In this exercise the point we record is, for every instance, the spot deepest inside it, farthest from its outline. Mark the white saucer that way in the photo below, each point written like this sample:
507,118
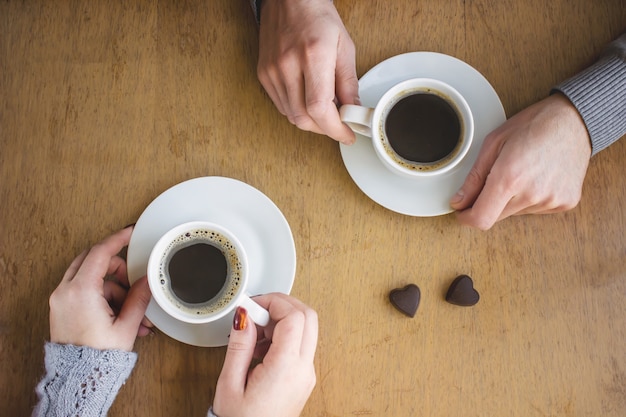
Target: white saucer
429,196
248,213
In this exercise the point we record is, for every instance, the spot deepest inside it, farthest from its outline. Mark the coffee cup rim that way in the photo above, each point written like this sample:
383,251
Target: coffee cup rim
410,85
155,258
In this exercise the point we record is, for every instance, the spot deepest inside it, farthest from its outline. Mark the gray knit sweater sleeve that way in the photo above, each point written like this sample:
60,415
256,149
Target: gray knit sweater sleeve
599,95
81,381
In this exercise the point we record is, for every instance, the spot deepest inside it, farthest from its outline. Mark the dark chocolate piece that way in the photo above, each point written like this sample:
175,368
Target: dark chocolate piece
462,292
406,299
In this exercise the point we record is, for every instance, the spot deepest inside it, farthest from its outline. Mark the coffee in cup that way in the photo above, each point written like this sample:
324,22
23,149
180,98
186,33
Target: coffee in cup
419,127
198,272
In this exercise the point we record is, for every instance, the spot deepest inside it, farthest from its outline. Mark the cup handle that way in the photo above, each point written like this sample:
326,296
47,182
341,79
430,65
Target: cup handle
258,314
358,118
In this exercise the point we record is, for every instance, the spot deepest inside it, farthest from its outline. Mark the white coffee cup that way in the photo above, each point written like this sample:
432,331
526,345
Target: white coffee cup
372,122
198,273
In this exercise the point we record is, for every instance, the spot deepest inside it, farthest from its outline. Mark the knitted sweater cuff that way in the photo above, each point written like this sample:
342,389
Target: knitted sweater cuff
81,380
599,95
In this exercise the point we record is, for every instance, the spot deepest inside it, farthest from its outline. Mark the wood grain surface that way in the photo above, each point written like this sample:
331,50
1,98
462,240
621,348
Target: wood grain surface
104,105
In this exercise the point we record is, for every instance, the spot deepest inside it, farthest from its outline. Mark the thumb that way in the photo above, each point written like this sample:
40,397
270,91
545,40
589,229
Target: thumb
241,344
347,88
346,81
476,178
135,305
469,191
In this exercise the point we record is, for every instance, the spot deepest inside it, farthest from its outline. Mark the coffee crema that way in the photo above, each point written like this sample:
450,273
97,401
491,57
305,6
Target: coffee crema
200,272
423,130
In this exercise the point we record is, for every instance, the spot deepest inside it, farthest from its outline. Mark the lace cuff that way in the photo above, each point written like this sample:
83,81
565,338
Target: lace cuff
81,381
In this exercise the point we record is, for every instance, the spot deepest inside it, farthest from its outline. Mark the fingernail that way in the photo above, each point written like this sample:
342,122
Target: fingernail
240,321
458,197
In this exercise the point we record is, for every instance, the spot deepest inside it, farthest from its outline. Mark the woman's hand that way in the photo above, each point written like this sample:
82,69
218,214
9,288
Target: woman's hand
281,383
93,305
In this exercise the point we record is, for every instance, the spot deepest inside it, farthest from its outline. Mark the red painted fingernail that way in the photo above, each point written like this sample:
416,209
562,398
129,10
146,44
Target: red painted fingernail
240,321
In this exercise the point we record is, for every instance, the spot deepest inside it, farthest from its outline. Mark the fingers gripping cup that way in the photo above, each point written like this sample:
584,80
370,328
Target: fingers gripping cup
420,127
198,273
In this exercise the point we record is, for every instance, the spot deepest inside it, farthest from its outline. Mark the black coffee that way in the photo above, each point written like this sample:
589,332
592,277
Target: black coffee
197,272
423,128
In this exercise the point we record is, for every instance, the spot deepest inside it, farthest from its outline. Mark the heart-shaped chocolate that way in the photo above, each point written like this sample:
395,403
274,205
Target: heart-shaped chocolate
406,299
462,292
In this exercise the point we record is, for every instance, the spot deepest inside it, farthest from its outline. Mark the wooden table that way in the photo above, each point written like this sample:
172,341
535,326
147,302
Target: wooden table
104,105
